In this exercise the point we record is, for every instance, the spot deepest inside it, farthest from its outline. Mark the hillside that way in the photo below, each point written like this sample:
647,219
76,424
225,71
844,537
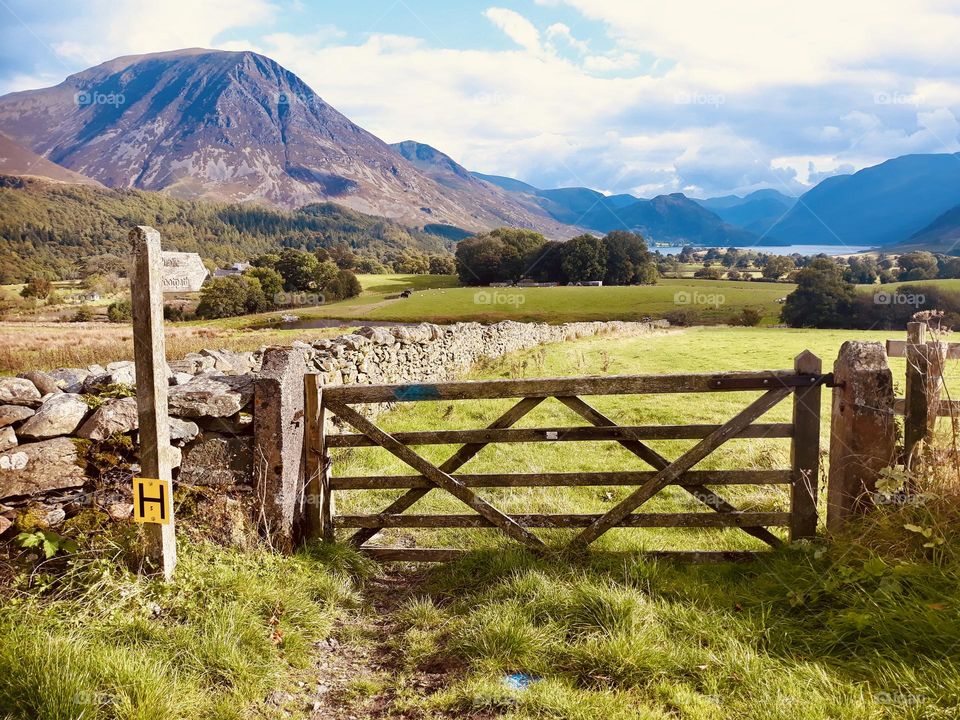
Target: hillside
942,235
236,127
48,227
17,160
879,205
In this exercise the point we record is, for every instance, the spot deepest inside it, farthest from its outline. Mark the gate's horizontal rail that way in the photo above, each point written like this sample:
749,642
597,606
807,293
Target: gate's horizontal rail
402,554
549,387
648,520
565,434
584,479
898,349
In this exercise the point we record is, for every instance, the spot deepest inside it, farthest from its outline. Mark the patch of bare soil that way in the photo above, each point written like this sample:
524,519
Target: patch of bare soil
359,675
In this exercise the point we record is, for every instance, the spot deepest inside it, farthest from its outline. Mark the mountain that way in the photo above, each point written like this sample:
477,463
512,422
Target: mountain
507,183
235,127
49,227
756,212
674,219
942,235
516,210
17,160
879,205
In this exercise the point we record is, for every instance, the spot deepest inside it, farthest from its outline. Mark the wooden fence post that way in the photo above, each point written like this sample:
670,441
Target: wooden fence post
924,383
862,431
151,362
318,496
805,450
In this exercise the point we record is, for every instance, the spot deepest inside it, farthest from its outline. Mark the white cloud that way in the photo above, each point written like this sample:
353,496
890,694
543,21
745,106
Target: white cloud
516,27
109,28
560,31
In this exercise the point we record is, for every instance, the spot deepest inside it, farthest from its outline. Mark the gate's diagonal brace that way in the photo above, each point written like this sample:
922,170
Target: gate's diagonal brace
452,464
436,475
701,492
679,466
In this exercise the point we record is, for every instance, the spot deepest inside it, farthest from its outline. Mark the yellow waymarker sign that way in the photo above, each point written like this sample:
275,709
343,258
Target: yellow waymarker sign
152,501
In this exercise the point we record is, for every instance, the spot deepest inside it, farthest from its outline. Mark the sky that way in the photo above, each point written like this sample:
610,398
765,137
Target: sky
702,97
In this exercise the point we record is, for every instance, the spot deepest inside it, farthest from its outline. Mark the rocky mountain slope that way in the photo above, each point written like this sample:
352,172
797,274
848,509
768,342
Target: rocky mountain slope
235,127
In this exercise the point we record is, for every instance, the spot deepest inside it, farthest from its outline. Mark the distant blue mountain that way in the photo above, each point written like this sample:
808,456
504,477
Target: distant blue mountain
756,212
666,218
880,205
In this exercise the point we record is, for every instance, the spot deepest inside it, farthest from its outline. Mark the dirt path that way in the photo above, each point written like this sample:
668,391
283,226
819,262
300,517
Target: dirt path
362,675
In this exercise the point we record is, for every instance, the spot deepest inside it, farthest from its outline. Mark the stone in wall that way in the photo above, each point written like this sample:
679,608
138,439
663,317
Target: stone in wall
60,414
217,460
36,468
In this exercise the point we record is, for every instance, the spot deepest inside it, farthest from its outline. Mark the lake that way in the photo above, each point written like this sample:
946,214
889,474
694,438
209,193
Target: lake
781,249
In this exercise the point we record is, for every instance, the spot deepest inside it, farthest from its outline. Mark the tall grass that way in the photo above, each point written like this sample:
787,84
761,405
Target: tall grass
90,639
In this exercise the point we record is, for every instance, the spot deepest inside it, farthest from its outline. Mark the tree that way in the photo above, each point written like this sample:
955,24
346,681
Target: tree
442,265
918,265
371,266
104,264
413,262
584,259
627,258
271,282
709,273
777,266
823,299
231,296
325,273
861,270
344,285
481,259
298,269
545,263
38,287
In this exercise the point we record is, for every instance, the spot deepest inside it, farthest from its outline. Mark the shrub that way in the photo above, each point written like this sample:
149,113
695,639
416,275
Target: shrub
83,314
38,287
120,312
748,317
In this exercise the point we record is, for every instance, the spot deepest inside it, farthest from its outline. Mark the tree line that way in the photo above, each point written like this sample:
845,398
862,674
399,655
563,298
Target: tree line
289,278
48,230
826,298
509,255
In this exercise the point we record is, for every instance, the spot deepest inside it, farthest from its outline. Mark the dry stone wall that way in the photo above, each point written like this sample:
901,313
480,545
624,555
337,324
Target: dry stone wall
68,436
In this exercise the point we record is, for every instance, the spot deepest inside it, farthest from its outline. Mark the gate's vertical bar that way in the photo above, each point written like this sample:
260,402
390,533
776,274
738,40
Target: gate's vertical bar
805,450
318,497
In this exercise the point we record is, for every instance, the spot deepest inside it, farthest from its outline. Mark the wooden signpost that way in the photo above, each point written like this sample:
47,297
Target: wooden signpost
154,273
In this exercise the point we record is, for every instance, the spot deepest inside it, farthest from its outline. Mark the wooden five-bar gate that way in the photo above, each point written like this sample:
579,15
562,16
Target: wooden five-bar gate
803,384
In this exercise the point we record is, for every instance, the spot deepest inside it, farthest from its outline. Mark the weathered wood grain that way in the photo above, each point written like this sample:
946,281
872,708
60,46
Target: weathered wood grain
693,478
563,434
149,351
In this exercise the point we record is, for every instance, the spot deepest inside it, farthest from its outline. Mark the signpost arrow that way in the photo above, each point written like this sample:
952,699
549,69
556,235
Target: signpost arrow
182,272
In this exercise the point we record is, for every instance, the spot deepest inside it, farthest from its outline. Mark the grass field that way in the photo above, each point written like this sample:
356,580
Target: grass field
438,299
863,627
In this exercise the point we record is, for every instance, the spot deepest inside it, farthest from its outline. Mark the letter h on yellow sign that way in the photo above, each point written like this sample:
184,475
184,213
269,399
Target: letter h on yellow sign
152,501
